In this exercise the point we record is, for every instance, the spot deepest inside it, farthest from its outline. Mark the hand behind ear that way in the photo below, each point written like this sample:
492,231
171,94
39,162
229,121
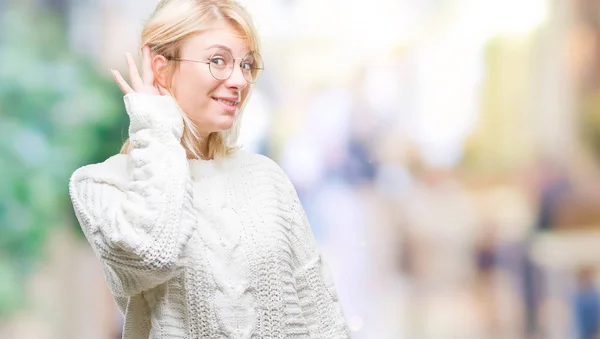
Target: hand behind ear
144,84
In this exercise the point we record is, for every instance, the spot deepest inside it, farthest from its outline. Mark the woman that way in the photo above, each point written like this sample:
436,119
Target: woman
197,238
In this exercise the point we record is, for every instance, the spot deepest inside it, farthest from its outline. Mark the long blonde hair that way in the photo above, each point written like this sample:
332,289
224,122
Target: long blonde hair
171,23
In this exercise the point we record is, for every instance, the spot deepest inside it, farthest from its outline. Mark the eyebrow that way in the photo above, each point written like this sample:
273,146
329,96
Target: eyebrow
224,47
219,46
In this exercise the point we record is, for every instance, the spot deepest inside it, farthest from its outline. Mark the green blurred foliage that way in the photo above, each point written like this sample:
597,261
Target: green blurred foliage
57,113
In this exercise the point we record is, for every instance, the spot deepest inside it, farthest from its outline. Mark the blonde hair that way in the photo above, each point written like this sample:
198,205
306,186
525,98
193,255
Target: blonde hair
171,23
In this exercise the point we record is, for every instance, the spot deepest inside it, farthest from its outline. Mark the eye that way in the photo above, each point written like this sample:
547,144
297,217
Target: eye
218,61
247,65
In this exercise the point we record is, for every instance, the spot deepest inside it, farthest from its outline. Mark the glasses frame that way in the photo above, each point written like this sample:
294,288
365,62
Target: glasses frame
232,69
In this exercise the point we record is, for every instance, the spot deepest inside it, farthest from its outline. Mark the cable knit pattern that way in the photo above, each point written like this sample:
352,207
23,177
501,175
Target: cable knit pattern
202,249
314,284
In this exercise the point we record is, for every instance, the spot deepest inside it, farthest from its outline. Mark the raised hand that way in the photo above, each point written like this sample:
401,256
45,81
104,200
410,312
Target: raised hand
146,83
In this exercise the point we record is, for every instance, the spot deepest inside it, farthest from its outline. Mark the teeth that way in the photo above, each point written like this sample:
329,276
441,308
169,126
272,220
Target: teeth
226,102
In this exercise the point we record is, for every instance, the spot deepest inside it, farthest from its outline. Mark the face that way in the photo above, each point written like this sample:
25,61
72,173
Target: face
210,103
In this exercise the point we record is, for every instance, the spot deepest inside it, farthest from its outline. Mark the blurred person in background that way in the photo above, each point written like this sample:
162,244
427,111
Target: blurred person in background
553,188
586,304
196,237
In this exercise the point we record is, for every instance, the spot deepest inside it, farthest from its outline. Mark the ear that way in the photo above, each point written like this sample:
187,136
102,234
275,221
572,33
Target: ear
160,69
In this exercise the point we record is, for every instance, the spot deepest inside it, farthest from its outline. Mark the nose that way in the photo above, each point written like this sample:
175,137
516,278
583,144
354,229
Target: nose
236,80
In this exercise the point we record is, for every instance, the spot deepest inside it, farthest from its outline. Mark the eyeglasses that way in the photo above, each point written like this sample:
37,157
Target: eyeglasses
222,63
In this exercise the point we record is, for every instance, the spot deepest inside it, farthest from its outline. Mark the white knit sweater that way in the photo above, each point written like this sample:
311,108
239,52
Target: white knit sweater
202,249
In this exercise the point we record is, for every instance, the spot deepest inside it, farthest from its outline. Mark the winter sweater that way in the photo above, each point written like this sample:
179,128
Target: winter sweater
202,248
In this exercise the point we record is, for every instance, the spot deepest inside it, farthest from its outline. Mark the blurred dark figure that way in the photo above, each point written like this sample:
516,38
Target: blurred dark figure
486,248
586,305
487,265
358,167
552,189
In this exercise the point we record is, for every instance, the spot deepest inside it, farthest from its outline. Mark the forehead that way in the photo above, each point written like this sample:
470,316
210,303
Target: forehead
212,40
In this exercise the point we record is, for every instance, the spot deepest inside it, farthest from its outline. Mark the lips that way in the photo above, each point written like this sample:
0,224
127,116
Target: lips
228,103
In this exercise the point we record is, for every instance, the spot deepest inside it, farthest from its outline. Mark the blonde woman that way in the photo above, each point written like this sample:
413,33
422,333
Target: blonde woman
199,239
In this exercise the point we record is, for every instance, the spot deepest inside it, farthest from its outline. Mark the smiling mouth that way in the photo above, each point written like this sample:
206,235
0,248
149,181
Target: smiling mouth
226,102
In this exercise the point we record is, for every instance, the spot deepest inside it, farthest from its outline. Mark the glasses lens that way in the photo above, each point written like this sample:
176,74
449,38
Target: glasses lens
221,64
252,65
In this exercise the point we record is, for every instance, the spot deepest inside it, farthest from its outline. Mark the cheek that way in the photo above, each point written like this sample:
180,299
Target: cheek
193,90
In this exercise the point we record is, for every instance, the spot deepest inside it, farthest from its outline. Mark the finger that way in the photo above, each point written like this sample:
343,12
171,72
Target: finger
125,88
147,73
134,75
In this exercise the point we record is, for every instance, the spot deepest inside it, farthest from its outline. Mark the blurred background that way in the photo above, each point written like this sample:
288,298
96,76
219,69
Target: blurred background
446,152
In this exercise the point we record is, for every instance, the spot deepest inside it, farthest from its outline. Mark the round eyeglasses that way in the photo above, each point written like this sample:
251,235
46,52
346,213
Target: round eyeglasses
222,63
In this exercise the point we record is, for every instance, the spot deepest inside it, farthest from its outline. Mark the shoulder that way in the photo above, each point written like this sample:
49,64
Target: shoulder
86,187
255,161
113,169
263,166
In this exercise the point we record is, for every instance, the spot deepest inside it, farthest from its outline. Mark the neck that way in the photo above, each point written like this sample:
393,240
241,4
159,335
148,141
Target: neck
203,149
204,146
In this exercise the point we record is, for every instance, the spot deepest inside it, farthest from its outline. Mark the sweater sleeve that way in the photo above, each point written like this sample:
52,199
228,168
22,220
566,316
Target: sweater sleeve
137,213
316,290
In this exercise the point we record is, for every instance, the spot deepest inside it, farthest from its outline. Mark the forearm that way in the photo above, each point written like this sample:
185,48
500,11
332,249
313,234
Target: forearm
138,214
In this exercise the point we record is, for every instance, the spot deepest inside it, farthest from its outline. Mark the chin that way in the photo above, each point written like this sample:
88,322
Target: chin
225,124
